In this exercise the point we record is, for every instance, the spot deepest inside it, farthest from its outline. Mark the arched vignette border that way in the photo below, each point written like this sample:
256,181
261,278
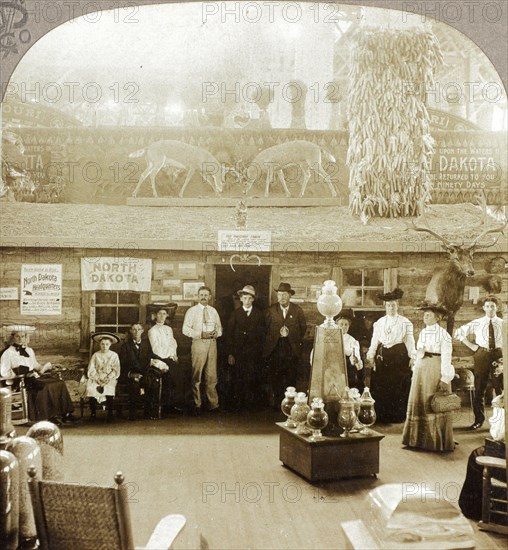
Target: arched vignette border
20,30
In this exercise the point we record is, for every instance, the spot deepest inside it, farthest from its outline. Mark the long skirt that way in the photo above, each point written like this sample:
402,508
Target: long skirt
48,398
390,383
423,428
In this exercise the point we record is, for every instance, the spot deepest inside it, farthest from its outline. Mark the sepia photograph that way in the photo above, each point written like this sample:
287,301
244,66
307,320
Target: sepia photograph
253,274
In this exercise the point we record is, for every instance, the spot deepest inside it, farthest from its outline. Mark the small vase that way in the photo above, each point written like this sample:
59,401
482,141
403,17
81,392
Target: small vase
287,405
317,419
347,415
299,413
355,396
367,413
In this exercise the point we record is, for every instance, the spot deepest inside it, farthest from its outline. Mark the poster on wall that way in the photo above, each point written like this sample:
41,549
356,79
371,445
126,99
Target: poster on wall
117,274
9,293
41,289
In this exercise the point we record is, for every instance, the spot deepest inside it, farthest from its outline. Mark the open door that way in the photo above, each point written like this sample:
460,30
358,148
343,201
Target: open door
229,282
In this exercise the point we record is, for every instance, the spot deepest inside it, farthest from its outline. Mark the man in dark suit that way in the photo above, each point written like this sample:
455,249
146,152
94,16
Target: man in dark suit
285,326
135,356
245,337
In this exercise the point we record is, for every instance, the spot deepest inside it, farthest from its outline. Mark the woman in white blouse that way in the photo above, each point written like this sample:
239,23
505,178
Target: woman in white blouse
432,372
390,349
354,362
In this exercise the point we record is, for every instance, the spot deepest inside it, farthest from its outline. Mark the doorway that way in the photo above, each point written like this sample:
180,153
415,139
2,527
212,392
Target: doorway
229,282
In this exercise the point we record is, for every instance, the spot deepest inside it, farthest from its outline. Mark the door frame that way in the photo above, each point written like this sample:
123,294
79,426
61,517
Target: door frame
215,259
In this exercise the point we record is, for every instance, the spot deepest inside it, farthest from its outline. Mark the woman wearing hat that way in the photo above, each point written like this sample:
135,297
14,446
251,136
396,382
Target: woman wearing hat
432,372
354,362
391,347
48,396
103,373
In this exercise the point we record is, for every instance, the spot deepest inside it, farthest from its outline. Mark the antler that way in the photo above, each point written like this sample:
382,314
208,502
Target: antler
498,229
244,258
427,230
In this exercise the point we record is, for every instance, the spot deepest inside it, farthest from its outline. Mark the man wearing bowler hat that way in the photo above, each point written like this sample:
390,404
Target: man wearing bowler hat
244,343
285,329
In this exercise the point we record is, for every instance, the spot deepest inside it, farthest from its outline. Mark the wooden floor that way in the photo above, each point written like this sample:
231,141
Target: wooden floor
222,472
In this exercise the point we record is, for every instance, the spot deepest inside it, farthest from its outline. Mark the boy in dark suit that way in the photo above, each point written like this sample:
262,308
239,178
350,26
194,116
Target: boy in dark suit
285,326
245,338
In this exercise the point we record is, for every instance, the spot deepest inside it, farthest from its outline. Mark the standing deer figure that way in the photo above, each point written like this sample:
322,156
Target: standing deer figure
182,156
308,156
447,284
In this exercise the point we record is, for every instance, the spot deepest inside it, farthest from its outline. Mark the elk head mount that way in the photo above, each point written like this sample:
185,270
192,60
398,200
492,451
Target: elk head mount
448,281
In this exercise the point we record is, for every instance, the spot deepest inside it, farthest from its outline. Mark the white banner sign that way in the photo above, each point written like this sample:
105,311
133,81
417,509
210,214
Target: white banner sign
41,289
244,241
116,274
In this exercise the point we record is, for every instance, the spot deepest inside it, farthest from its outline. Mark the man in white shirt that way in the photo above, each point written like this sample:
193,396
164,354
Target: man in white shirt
487,348
160,373
202,324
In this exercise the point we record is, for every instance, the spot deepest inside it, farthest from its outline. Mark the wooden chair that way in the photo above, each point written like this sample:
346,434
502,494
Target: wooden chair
19,403
87,517
121,399
494,496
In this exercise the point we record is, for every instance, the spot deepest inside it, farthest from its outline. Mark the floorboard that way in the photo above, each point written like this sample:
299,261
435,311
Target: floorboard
223,473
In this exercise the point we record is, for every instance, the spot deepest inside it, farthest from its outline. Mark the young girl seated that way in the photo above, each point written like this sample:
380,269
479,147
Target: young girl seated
103,373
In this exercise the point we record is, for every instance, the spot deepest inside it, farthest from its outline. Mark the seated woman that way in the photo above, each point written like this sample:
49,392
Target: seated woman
48,396
103,373
470,499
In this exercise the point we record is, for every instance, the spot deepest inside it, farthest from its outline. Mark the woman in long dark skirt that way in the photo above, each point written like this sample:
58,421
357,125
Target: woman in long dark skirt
48,396
433,372
390,349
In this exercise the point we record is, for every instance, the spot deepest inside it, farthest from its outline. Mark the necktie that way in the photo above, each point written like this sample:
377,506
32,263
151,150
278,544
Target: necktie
284,312
492,337
22,350
205,315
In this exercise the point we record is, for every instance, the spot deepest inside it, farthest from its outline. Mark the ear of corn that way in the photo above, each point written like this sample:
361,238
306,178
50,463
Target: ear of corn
390,147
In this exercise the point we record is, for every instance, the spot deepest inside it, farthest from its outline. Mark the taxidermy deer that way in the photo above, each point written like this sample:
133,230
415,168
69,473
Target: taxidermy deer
447,284
182,156
308,156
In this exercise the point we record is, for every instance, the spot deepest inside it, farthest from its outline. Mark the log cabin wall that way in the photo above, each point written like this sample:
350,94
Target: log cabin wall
306,271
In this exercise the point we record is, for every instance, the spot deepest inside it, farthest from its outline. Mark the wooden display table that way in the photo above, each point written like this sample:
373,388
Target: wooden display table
331,457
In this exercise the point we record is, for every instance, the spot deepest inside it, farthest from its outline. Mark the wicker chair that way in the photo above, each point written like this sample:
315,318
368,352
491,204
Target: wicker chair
19,403
88,517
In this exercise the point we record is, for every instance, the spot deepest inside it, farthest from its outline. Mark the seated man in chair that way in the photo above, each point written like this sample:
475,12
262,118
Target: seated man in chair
135,356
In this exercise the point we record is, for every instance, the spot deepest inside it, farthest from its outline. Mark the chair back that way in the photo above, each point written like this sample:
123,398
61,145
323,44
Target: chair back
81,517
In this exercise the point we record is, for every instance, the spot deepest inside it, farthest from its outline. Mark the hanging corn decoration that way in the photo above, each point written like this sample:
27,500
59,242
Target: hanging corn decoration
390,146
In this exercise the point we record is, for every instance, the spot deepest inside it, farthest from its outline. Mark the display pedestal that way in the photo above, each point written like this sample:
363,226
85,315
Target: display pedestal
331,457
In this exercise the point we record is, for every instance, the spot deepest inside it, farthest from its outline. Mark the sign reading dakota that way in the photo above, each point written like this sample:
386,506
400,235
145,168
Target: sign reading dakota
116,274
